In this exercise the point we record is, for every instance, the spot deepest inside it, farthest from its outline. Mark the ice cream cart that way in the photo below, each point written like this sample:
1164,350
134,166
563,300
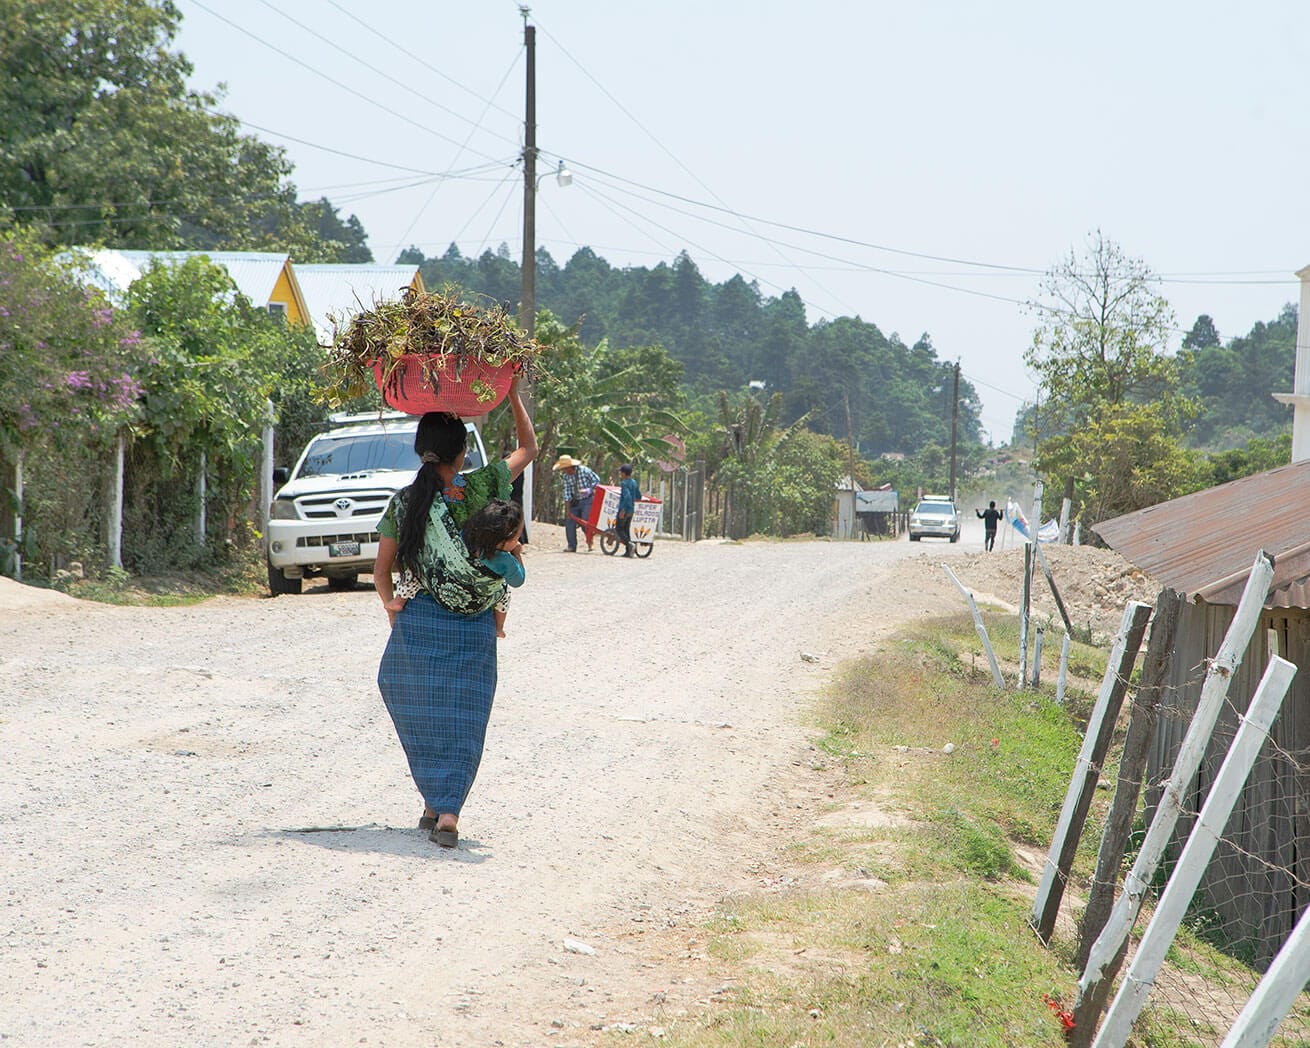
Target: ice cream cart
604,509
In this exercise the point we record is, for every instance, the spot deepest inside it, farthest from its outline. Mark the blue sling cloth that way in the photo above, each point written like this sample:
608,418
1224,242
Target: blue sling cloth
438,679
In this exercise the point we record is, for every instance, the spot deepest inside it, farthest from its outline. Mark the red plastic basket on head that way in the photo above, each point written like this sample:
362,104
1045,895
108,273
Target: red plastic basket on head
418,384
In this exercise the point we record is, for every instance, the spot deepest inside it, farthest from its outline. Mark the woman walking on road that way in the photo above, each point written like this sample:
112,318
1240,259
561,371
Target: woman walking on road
438,673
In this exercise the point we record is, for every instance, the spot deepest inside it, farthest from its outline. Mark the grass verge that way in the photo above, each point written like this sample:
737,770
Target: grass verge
925,938
243,575
919,935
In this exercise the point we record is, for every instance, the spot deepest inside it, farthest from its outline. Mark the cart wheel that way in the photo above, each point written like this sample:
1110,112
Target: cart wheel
643,549
609,543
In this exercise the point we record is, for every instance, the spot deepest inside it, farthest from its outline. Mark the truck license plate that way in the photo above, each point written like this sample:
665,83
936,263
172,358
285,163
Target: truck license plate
343,549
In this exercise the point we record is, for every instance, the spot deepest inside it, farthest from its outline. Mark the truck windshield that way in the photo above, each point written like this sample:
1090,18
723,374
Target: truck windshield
360,452
355,453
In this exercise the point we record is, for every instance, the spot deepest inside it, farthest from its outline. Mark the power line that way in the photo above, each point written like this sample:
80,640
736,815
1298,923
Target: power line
705,250
1179,278
745,220
419,213
476,124
332,80
491,165
811,232
1006,270
503,204
422,61
822,254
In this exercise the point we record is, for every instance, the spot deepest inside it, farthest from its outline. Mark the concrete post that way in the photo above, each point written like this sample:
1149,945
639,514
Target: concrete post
1299,398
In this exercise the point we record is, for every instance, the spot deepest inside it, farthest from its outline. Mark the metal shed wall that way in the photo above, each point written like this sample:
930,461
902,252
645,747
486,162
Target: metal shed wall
1258,882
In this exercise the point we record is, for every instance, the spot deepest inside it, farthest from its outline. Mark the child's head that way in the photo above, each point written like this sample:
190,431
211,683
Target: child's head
495,522
625,470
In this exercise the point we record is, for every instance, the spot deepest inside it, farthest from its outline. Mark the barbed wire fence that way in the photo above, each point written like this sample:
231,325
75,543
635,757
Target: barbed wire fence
1219,893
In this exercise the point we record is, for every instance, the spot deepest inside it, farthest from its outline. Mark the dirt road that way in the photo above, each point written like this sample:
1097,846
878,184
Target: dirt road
207,827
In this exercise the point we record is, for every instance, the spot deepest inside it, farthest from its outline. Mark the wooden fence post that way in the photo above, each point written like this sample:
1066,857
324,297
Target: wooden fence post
1107,950
1119,823
1132,769
1055,591
1100,730
1196,854
116,504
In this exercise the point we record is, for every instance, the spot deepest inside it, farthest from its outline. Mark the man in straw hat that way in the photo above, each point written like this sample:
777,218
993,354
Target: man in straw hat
579,485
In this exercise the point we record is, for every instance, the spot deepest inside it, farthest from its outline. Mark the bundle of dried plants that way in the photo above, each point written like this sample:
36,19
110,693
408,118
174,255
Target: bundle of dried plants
441,328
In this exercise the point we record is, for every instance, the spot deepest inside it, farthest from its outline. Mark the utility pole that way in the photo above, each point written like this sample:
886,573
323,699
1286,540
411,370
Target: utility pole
955,425
528,268
528,298
850,449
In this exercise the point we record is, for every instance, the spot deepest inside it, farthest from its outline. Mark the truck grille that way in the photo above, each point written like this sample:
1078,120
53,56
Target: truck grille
315,541
356,504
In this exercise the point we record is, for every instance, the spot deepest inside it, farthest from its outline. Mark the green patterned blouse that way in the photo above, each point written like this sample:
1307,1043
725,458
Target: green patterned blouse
445,569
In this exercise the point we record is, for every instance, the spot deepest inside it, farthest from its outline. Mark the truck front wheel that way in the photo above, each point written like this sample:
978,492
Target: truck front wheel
278,583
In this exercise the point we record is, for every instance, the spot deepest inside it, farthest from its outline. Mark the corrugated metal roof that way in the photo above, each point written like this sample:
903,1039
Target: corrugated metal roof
255,273
342,290
1204,544
108,270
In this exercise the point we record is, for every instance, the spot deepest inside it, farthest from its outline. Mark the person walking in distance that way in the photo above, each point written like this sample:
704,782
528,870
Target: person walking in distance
579,486
629,493
990,517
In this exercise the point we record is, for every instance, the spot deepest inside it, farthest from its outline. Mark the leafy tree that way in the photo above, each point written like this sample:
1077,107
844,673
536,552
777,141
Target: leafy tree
101,142
215,363
1258,456
1100,353
334,240
1128,457
601,405
750,432
1025,425
1203,334
1102,332
69,385
802,480
587,287
1233,383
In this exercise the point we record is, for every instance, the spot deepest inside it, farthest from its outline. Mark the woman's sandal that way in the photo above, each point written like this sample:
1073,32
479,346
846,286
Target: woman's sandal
427,822
446,838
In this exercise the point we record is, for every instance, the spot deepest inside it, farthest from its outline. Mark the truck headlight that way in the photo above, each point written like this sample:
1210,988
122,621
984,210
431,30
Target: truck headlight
284,509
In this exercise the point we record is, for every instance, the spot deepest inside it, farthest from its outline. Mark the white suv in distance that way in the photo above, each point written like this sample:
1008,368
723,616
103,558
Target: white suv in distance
325,514
937,516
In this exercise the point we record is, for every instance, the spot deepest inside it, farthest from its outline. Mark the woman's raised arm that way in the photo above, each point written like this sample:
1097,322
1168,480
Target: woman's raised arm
527,438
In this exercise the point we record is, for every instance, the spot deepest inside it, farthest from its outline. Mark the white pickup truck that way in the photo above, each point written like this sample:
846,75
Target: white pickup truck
325,514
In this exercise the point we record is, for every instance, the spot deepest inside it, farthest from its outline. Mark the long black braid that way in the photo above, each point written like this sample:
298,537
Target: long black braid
440,438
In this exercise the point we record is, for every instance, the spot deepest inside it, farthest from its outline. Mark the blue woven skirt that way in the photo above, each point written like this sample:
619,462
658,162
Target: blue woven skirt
438,677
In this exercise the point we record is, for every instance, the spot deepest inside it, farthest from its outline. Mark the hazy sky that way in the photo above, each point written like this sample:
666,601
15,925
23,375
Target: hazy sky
916,164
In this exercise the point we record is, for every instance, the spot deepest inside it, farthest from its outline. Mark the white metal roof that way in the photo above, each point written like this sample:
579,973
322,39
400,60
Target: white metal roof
255,273
344,289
